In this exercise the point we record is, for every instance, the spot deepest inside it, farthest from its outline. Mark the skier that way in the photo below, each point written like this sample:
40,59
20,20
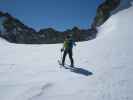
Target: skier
67,49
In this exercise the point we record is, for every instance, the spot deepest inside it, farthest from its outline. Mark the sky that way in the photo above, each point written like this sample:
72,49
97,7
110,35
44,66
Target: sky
58,14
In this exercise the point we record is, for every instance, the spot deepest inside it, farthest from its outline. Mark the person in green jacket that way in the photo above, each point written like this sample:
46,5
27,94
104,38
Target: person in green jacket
67,49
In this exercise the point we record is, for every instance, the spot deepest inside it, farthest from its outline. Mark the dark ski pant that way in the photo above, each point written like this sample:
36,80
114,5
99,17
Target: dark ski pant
69,52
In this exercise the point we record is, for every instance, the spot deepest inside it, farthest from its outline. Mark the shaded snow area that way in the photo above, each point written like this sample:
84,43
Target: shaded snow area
104,67
124,4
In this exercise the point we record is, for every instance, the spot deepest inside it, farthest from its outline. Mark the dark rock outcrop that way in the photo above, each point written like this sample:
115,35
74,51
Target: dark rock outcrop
104,11
15,31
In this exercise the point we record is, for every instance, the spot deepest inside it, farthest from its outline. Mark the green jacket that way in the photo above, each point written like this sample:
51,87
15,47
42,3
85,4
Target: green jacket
68,44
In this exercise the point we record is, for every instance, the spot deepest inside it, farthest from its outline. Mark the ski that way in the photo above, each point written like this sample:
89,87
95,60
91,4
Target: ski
61,66
64,66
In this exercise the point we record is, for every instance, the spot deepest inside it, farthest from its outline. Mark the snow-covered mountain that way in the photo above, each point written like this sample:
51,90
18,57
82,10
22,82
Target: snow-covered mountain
15,31
104,67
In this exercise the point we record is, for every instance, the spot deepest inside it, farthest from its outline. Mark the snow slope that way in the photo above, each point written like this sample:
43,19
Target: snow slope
105,72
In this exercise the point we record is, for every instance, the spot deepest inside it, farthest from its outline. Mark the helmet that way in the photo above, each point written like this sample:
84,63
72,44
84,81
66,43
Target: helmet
69,36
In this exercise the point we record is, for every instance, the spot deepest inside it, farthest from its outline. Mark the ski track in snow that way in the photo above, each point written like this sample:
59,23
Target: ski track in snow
37,94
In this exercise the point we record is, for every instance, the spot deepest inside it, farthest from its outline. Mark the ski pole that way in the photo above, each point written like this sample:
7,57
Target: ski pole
61,55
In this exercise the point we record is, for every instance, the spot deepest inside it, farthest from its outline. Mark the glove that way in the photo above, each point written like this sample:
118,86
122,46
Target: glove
62,49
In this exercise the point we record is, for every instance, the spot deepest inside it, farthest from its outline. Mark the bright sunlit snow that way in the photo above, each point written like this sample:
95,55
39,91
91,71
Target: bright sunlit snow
105,67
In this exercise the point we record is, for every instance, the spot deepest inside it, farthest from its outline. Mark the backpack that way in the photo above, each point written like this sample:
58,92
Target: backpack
68,44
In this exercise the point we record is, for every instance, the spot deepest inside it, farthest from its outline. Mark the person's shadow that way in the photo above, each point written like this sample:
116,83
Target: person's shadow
80,71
